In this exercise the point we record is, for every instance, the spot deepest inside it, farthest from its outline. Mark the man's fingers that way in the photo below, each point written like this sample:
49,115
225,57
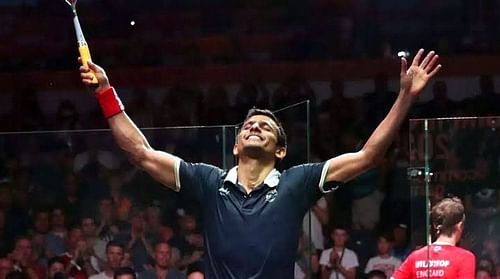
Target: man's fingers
433,62
427,59
404,66
418,56
89,76
436,70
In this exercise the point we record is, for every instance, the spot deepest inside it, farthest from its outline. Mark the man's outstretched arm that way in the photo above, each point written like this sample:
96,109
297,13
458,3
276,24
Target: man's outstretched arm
413,80
160,165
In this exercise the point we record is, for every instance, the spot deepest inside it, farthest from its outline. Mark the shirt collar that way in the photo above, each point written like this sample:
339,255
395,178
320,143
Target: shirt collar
272,179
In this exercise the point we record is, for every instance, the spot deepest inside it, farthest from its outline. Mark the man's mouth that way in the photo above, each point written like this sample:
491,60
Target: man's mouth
254,137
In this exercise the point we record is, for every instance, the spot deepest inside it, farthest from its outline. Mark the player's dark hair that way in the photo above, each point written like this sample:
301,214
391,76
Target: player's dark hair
281,132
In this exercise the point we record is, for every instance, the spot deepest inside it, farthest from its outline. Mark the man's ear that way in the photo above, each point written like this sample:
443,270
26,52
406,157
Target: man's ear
280,153
235,149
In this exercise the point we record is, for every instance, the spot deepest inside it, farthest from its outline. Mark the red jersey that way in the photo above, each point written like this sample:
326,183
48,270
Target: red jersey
438,262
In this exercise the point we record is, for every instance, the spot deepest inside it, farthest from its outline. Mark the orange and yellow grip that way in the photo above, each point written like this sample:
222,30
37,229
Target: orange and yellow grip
85,58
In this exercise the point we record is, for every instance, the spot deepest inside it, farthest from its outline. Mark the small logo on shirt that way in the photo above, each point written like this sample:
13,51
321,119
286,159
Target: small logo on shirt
223,191
271,195
437,248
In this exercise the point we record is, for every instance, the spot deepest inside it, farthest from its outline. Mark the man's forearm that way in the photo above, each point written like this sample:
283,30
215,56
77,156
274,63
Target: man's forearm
129,138
382,137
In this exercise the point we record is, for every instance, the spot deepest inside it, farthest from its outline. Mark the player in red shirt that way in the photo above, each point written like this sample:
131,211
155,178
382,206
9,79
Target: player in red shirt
442,259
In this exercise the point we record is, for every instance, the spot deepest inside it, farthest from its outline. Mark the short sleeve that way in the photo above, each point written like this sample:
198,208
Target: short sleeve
468,266
307,182
195,179
405,270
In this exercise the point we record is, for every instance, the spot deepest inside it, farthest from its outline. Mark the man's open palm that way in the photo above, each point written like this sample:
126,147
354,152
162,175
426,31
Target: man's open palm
415,78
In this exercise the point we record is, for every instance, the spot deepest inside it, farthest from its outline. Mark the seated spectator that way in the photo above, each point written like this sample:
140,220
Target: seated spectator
124,273
338,261
78,256
55,268
108,225
401,248
189,242
307,261
114,258
383,261
162,268
23,259
57,235
137,241
39,233
94,243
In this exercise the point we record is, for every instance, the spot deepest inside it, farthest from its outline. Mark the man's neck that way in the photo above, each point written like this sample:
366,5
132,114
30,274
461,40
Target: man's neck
446,240
251,172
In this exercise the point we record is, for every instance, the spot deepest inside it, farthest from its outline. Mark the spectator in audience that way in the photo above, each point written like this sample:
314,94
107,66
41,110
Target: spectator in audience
57,235
41,226
189,242
67,118
137,241
484,104
153,219
70,201
108,227
122,203
56,265
307,262
491,249
383,261
94,243
313,223
114,258
162,268
124,273
376,274
78,257
338,261
401,247
376,103
6,266
23,259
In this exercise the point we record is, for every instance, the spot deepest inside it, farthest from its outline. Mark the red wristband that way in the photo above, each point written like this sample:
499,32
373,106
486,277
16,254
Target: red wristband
110,104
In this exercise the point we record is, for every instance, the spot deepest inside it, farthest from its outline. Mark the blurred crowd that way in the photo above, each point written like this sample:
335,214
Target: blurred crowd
194,32
72,206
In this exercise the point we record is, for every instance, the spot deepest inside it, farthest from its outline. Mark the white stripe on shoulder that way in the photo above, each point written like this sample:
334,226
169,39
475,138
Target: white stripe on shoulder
324,173
177,166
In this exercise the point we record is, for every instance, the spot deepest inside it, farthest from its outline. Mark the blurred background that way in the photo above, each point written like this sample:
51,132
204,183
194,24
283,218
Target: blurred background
183,65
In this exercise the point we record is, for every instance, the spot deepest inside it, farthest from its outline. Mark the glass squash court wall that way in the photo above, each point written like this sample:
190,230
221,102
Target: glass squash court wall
456,157
39,164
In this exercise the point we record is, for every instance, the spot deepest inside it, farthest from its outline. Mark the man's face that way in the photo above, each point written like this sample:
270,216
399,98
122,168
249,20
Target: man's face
138,222
88,227
162,255
259,135
57,217
41,222
114,256
106,208
24,248
339,237
55,268
383,246
74,237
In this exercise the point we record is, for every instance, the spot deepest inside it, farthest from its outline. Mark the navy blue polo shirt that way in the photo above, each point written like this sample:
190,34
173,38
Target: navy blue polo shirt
251,235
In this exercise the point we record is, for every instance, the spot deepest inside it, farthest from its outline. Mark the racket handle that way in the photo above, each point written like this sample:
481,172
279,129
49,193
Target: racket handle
85,57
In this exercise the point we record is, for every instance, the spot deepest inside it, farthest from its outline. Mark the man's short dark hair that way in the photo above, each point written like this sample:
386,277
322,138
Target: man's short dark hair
446,214
281,132
114,243
54,260
124,271
376,274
